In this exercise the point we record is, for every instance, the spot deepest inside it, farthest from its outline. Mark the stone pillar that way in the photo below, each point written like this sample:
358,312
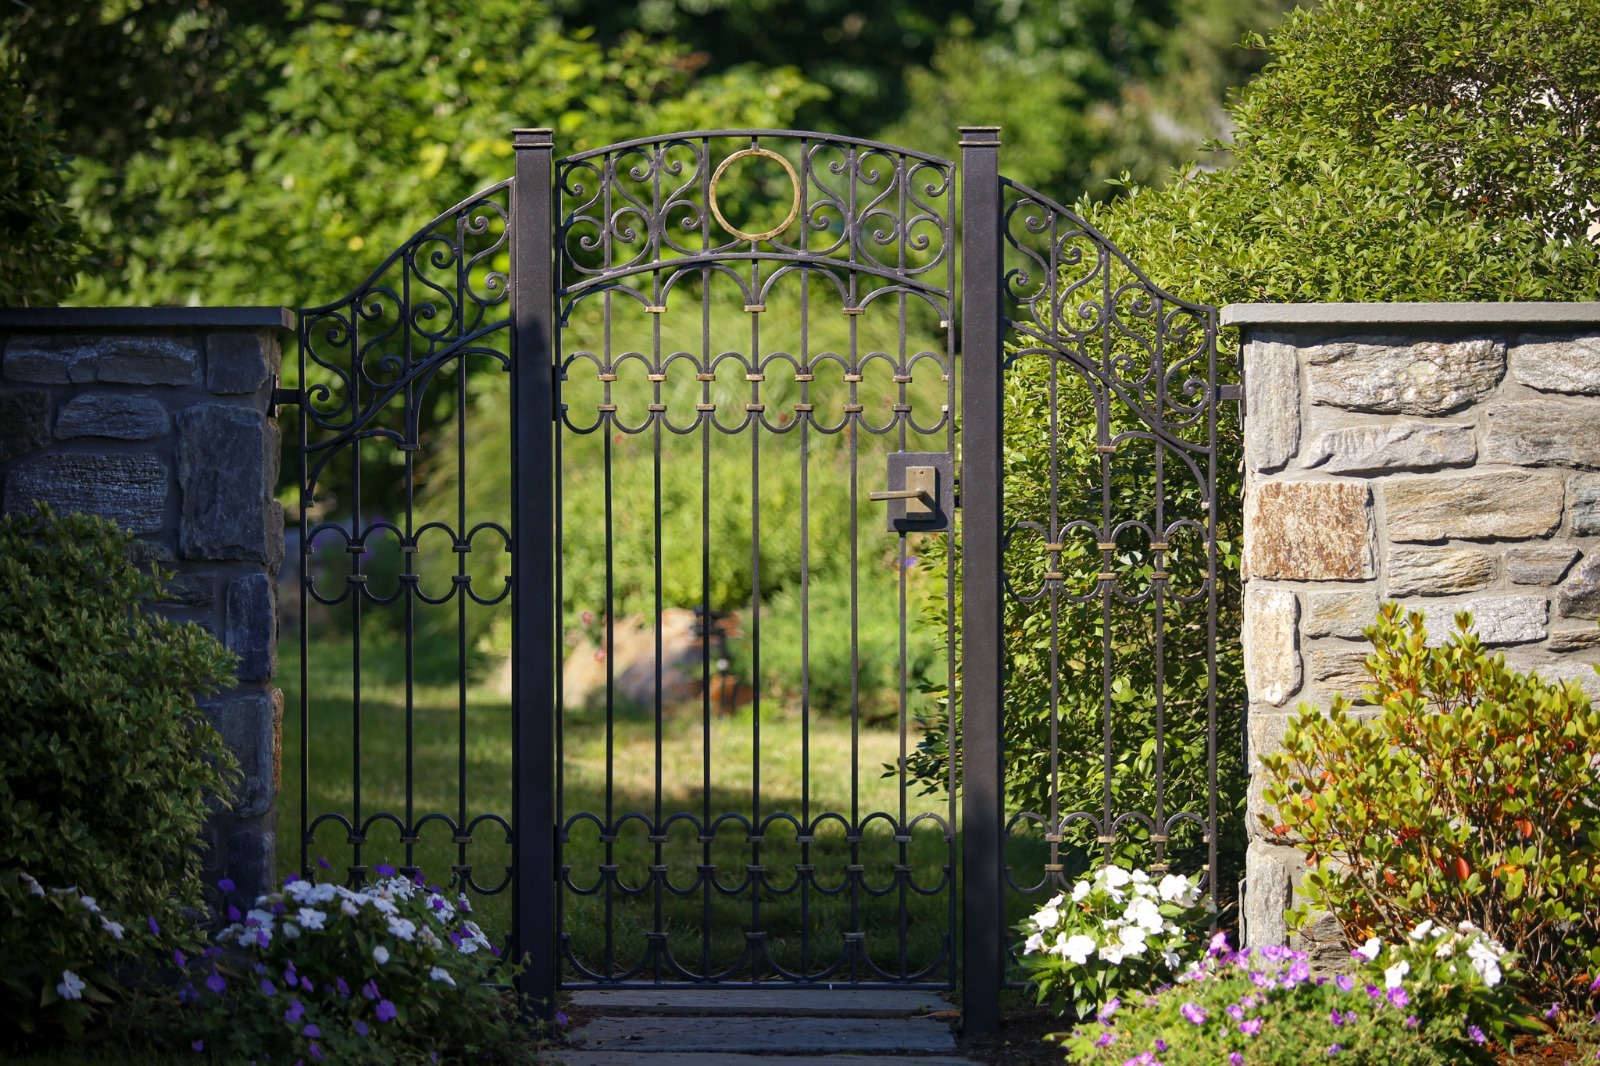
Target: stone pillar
161,419
1436,454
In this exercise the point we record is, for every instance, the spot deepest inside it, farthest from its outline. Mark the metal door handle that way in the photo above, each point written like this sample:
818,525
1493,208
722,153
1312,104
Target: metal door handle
921,493
903,494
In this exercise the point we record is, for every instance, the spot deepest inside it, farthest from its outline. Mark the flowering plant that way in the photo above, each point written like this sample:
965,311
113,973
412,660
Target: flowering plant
390,973
58,953
1439,998
1118,931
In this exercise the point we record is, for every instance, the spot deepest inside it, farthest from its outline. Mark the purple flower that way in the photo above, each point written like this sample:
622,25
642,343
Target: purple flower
290,879
1475,1033
1194,1012
1550,1014
226,884
278,908
343,989
386,1011
1235,1059
1336,1018
312,1031
455,940
211,952
233,914
295,1012
1236,1012
1161,1045
1374,992
155,930
1109,1008
1345,982
268,988
306,985
322,862
198,1045
1251,1027
258,969
1594,986
1299,972
383,869
1105,1039
316,1052
178,959
361,1027
1399,996
561,1017
215,983
1334,1049
1411,1021
370,989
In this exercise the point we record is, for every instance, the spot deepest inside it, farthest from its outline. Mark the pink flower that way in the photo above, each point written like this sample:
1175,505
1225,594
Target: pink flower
1195,1013
1251,1027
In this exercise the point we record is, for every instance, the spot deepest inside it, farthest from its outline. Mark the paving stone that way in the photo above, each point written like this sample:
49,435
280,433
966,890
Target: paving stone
1426,378
1340,614
1557,364
226,458
1438,571
1580,593
252,626
1271,644
127,360
100,414
1395,446
236,363
1542,433
130,489
1272,395
1512,505
751,1034
1308,531
24,422
828,1003
1540,564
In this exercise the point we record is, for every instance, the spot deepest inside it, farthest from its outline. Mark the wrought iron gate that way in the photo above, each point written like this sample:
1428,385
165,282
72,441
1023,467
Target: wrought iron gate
716,521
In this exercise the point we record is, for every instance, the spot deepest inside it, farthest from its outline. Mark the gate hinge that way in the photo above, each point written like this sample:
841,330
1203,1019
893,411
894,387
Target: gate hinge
1233,393
280,397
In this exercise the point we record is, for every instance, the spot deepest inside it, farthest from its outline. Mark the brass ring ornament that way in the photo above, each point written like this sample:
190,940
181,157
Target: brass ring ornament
794,206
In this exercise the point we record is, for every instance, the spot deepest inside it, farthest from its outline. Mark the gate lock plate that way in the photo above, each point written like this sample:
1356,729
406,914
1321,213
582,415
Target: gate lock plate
921,493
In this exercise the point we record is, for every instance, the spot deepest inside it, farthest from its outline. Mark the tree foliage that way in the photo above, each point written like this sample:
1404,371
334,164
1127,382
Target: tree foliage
39,237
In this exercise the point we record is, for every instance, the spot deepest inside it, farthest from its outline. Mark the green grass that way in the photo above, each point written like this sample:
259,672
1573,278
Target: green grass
706,929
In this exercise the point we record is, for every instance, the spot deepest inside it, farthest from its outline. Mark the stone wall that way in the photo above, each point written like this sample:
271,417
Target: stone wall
1441,455
162,420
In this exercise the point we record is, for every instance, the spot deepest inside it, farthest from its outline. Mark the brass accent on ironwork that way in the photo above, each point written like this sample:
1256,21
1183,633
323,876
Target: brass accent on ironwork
794,207
1055,575
705,377
901,408
705,407
608,377
855,310
805,377
804,407
755,309
755,407
1159,575
656,407
652,309
853,408
1055,548
755,377
902,379
1105,577
606,408
1158,545
1106,449
1106,545
921,492
853,377
656,377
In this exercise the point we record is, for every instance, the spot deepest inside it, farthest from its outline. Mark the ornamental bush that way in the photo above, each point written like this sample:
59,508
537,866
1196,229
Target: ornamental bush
394,973
107,763
1403,1006
1472,797
1119,932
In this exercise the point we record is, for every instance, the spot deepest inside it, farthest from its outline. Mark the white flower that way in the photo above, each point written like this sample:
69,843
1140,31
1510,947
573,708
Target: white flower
440,908
348,908
380,954
1145,914
1396,973
264,918
71,986
1032,946
1174,889
427,938
1080,890
1077,948
1422,930
467,946
312,918
114,928
1115,876
1486,961
1047,918
34,887
402,928
291,931
440,974
1139,877
1111,953
1445,949
1133,941
383,904
89,904
1171,958
1370,949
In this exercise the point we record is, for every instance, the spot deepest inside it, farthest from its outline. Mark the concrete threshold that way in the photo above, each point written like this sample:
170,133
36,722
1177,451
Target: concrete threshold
787,1034
779,1002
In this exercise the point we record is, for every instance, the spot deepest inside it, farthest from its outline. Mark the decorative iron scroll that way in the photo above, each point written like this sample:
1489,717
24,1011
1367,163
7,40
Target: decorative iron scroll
1111,545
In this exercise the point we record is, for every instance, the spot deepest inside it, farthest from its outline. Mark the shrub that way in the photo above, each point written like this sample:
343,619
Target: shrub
1120,932
106,761
1472,797
1266,1007
393,973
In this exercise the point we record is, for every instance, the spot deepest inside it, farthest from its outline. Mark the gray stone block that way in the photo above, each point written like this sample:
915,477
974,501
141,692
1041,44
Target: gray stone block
1500,619
1342,668
108,415
226,466
1514,505
24,422
1580,593
1575,640
251,860
1558,364
1540,564
193,590
252,727
130,489
1542,433
1583,504
236,363
128,360
1340,614
1272,396
1401,377
145,552
1396,446
252,626
1438,571
1266,895
1271,644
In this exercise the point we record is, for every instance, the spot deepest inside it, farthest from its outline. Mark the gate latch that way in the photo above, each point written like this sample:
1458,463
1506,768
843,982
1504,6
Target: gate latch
920,494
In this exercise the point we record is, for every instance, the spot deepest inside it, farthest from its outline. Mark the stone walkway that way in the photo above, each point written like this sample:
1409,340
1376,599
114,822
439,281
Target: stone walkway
736,1027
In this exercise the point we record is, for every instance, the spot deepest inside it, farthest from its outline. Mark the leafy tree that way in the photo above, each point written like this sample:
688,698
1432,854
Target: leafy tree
377,117
39,237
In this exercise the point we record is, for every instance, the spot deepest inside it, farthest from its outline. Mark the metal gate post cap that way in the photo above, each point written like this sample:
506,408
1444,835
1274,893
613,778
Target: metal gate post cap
979,136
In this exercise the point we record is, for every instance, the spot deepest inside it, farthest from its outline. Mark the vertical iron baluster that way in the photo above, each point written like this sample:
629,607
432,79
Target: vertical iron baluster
302,415
807,830
1103,449
756,946
1157,416
354,581
982,669
534,647
854,228
658,369
461,835
1211,578
707,871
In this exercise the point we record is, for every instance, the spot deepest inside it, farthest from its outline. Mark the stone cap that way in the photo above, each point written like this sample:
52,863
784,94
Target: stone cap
103,318
1529,313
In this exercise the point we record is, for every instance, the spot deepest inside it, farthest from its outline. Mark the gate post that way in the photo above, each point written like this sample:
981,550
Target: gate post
533,628
982,670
